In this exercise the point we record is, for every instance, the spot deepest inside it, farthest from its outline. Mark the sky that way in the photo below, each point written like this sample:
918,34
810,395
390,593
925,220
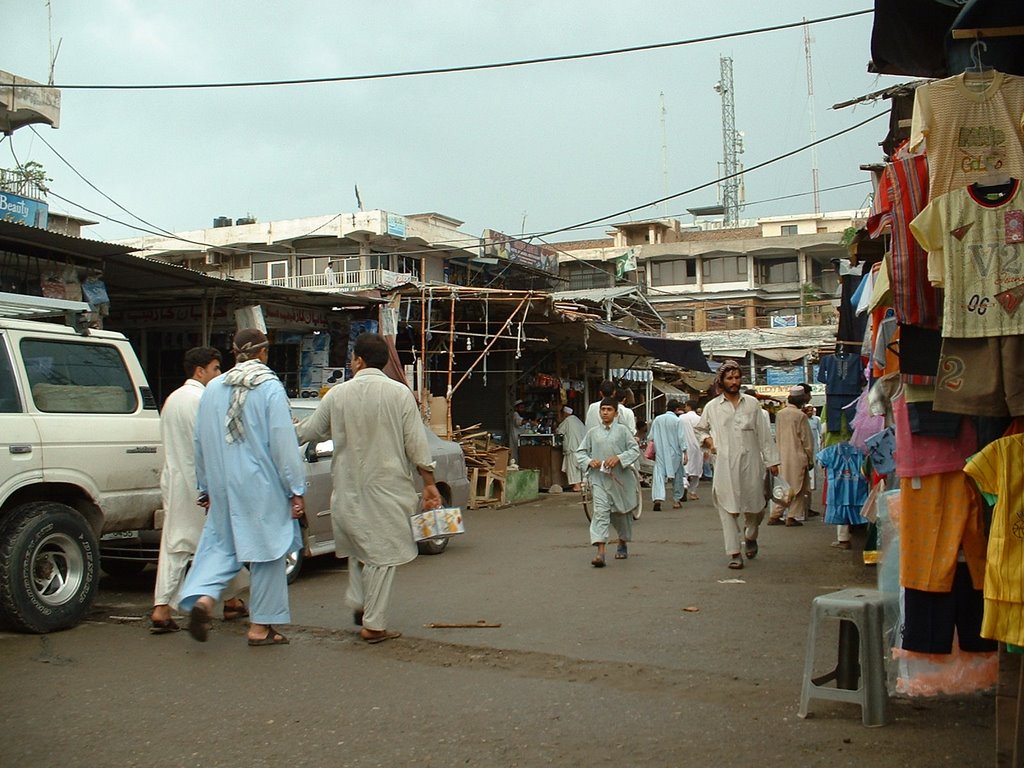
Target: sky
529,149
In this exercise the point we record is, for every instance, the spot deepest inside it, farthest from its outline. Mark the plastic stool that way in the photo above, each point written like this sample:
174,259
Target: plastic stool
860,669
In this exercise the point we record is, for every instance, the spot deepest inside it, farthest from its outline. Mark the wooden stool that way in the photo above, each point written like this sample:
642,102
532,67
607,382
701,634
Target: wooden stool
860,670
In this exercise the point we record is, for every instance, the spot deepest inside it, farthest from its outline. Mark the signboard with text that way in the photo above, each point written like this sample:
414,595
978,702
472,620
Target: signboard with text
23,210
506,248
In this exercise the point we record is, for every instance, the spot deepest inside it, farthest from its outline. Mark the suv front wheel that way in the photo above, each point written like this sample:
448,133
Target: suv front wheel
49,571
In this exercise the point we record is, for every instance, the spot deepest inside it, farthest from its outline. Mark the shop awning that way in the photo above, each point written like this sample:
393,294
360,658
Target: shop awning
632,374
914,37
685,354
784,354
667,389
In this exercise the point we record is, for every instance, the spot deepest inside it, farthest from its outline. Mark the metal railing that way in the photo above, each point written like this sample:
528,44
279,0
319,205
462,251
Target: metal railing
16,184
328,282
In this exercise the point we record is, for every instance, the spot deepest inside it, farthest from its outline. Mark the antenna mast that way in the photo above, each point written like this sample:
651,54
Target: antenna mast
810,111
664,154
732,146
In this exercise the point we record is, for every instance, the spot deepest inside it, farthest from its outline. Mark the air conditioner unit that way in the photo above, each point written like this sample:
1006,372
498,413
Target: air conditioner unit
212,259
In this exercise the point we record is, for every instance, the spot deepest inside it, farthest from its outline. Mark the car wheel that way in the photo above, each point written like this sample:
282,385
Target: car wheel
49,567
432,547
122,568
293,565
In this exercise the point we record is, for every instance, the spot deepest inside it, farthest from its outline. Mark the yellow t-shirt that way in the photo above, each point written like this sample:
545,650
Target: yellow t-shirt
973,128
966,234
997,470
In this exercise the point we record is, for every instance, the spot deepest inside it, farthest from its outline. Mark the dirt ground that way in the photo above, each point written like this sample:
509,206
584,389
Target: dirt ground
662,659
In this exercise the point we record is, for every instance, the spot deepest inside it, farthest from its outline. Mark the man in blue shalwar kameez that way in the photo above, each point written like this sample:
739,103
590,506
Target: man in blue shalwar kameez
606,454
251,479
669,453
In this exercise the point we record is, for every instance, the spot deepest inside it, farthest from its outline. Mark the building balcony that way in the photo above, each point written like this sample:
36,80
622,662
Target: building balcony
341,282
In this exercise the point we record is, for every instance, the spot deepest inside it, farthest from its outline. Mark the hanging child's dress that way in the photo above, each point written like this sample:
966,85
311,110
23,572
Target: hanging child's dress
847,486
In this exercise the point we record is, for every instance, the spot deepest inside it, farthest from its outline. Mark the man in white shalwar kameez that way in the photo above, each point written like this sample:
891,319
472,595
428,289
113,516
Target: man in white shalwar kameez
624,415
694,465
608,453
249,472
572,431
733,427
379,448
666,432
183,517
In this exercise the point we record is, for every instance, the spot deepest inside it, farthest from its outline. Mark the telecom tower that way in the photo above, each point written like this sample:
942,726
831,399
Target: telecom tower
810,112
732,147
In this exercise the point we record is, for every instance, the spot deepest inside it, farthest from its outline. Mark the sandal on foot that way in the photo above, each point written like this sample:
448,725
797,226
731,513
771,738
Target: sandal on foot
199,623
736,562
273,637
677,505
657,506
598,562
751,548
240,611
163,627
621,553
373,639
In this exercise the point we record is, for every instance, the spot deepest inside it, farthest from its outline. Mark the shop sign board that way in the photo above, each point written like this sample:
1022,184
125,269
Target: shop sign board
506,248
23,210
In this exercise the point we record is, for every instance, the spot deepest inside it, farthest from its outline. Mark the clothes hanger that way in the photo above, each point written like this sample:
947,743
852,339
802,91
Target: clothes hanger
978,71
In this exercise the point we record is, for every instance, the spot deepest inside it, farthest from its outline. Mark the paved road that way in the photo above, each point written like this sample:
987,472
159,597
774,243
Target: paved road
589,667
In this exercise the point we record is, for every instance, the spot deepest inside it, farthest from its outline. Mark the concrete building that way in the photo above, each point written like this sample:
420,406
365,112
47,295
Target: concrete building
764,291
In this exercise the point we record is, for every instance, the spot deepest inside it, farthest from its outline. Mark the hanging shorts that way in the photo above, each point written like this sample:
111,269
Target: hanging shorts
981,377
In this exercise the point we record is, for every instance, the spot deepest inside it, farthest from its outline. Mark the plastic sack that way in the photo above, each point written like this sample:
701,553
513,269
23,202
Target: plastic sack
649,451
778,490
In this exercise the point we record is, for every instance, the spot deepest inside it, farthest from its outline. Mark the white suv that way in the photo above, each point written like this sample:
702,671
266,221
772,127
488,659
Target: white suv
80,455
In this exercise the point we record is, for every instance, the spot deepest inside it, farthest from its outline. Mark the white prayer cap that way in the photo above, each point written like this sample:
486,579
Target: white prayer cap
567,410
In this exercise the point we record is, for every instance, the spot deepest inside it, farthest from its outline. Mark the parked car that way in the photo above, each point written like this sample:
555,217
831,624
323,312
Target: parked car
80,456
126,553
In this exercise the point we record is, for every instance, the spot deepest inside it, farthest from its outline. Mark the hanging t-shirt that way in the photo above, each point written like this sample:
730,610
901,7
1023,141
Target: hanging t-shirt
997,470
975,242
842,374
904,189
973,128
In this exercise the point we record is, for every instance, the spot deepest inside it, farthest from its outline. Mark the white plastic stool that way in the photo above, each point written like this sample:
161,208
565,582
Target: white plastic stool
860,668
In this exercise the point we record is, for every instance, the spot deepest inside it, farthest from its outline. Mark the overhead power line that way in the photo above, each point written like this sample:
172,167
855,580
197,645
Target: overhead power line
454,70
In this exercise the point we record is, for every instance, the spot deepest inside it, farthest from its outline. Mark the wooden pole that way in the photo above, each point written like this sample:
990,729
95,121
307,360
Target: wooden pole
486,349
451,362
423,343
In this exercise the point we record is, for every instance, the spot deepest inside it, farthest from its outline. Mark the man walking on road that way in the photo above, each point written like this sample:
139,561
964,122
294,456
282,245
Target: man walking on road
251,479
694,465
733,428
607,454
572,431
183,517
379,448
666,431
796,452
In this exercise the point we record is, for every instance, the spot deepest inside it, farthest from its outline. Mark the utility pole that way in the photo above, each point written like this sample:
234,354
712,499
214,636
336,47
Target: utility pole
810,110
732,146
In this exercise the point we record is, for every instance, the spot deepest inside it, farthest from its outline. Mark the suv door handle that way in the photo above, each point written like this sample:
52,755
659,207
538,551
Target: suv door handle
142,449
20,449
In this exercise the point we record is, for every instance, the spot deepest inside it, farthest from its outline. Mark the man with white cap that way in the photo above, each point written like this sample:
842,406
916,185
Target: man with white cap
572,431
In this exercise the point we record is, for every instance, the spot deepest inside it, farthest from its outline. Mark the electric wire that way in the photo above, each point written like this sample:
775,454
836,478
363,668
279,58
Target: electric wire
456,69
